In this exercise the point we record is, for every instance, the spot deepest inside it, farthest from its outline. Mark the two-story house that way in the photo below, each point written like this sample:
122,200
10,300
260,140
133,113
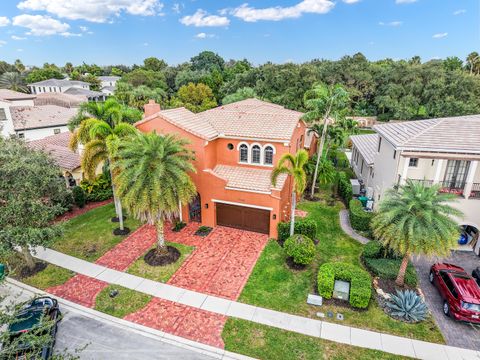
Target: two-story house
236,147
70,87
443,151
108,84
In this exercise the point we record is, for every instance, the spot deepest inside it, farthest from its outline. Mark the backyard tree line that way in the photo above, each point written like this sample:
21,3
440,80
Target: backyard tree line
390,89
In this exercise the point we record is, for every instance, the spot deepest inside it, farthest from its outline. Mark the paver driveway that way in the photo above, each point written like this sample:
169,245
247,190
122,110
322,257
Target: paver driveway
455,333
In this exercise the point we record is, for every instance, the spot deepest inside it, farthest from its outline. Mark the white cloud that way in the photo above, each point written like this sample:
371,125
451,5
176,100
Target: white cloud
203,35
20,50
15,37
2,42
440,35
350,1
69,34
40,25
201,18
177,8
277,13
4,21
93,10
459,12
405,1
391,23
83,28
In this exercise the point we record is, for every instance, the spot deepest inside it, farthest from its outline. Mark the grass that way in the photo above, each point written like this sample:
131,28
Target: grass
89,236
160,273
264,342
126,302
273,285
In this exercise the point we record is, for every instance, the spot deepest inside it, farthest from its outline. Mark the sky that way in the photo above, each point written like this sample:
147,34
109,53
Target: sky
127,31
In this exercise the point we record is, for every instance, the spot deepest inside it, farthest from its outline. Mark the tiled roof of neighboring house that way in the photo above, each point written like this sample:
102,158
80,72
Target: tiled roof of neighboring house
82,92
57,147
366,145
6,94
59,82
244,178
452,134
108,78
59,99
31,117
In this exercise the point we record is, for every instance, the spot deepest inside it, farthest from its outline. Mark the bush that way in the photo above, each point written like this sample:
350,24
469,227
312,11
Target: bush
179,225
307,227
372,250
301,248
359,218
65,200
344,187
100,195
408,306
360,282
386,268
79,196
99,189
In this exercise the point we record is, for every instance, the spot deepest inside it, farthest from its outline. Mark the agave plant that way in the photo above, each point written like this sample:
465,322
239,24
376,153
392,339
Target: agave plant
407,305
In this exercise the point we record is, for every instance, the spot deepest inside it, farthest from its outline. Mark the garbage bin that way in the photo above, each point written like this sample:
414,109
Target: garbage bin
363,200
2,271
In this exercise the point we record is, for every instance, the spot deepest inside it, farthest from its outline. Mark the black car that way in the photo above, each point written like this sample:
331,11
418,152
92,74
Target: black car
39,317
476,275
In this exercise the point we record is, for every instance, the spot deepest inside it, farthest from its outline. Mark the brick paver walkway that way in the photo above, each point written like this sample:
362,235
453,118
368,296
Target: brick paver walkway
80,289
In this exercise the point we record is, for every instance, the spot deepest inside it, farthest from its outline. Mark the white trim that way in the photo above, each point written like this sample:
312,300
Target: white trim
248,152
272,146
244,205
246,190
254,164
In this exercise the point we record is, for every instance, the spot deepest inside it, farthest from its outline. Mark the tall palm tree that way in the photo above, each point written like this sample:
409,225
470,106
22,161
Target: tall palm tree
322,101
293,165
13,81
416,219
152,179
101,144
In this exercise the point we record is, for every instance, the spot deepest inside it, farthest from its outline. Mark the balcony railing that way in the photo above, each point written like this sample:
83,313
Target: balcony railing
423,181
452,187
475,193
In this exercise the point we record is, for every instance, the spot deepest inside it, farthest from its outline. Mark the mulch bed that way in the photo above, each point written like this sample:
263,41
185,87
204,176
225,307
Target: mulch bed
389,286
76,211
27,272
154,258
118,231
293,266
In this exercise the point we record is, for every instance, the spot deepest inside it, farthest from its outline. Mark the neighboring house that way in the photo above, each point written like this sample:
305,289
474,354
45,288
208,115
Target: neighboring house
364,121
9,98
236,146
443,151
71,87
59,99
108,84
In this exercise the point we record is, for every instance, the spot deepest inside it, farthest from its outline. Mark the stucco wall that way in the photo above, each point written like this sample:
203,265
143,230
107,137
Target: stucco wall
7,125
386,167
36,134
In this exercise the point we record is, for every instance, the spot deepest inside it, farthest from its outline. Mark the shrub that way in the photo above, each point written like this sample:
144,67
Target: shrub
386,268
79,196
360,282
359,218
100,195
179,225
344,187
301,248
408,306
372,250
307,227
65,200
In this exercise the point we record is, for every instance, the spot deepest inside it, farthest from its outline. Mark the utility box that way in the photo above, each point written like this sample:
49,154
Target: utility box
355,186
341,290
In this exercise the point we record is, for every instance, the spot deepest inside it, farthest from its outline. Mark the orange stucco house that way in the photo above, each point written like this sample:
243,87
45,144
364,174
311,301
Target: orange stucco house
236,147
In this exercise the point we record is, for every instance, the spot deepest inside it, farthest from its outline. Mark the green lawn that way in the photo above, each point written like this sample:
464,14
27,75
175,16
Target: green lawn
89,236
264,342
160,273
273,285
126,302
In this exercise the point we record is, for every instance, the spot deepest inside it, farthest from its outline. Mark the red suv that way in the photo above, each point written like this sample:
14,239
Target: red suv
459,291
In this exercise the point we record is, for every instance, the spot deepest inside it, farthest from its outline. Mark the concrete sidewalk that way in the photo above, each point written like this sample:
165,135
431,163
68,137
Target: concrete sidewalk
316,328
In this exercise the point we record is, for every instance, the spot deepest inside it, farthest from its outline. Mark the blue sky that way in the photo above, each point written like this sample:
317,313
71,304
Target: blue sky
127,31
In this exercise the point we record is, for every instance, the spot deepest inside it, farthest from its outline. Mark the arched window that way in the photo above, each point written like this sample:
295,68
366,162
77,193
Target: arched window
243,153
268,155
256,154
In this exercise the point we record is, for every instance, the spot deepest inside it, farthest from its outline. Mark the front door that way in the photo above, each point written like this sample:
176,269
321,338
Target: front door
456,173
195,209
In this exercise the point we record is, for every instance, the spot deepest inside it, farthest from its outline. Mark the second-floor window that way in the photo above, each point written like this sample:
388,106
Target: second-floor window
256,154
243,153
268,156
413,162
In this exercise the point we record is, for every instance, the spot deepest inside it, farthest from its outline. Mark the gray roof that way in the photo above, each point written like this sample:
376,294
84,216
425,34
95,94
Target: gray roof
59,82
32,117
6,94
84,92
108,78
366,145
460,134
57,147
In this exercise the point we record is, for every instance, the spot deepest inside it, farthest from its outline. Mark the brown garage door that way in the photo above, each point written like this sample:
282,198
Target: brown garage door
244,218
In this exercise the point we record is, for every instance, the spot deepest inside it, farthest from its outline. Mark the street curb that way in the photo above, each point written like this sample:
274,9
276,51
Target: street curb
214,352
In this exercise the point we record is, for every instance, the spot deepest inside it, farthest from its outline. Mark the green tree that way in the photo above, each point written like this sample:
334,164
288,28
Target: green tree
138,96
195,97
453,63
13,81
207,60
322,101
240,94
473,63
416,220
30,199
19,66
43,74
294,166
116,71
68,68
95,83
149,78
154,64
154,195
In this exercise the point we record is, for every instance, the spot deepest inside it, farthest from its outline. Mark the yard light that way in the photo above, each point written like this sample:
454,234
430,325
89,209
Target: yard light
113,293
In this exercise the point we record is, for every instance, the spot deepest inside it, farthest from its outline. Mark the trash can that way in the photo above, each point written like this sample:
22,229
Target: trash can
2,271
363,200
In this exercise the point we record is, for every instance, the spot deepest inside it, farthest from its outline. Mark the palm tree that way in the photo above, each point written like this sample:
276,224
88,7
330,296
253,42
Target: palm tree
152,179
293,165
101,144
416,219
322,101
13,81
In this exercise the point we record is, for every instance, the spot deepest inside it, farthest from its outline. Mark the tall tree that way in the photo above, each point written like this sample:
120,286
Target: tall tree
294,166
240,94
152,179
195,97
416,220
19,66
154,64
473,63
13,81
322,101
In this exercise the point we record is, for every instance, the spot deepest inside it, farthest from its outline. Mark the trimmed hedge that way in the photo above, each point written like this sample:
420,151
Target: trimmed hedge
307,227
359,218
344,187
79,196
301,248
360,282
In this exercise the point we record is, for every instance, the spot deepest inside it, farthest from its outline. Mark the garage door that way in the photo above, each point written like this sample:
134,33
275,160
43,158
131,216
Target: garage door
245,218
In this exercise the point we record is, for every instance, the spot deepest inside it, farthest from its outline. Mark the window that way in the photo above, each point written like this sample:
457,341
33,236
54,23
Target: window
394,154
21,135
3,115
379,144
230,146
413,162
256,154
56,131
243,153
361,171
268,155
449,283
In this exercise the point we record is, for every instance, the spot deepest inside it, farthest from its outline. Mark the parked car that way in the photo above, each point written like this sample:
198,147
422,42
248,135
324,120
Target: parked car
460,292
39,317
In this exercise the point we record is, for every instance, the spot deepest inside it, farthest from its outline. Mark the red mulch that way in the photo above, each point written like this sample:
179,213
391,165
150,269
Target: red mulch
79,211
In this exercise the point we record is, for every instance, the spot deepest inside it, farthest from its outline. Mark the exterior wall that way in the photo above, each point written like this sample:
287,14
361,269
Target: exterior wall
6,127
471,211
35,134
25,102
386,169
363,173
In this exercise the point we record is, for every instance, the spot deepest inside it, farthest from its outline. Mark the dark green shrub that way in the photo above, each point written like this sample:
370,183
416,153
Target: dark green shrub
307,227
359,218
360,282
344,187
98,189
79,196
373,250
301,248
179,225
100,195
386,268
65,200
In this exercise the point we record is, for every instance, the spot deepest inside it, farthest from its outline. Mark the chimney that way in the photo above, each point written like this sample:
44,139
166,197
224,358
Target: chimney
151,108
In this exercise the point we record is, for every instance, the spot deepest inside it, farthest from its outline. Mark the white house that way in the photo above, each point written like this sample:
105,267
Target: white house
71,87
108,84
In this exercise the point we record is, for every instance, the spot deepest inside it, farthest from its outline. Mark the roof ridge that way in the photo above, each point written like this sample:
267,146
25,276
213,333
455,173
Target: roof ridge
428,128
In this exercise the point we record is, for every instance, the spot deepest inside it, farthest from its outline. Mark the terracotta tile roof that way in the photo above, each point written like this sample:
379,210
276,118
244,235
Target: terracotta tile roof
57,147
31,117
245,178
6,94
453,134
190,122
367,146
